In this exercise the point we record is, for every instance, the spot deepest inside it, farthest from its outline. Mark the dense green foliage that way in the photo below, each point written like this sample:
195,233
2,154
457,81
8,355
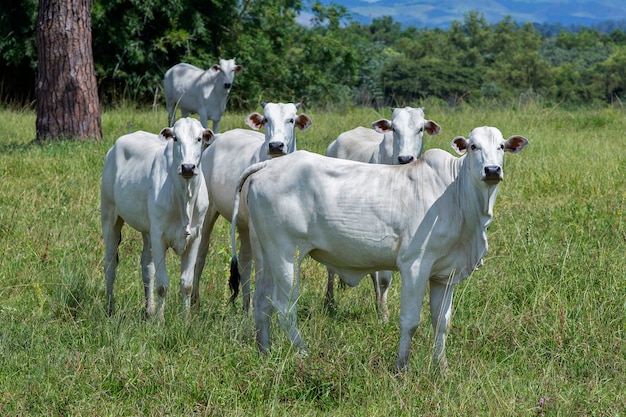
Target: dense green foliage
540,329
332,62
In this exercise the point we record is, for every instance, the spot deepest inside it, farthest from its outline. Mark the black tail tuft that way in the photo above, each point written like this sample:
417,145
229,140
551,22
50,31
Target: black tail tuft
233,281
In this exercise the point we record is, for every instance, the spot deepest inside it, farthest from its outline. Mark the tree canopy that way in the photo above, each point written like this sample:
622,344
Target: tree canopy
332,61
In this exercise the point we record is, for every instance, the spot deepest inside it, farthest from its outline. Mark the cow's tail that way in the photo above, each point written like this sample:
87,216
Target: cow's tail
235,279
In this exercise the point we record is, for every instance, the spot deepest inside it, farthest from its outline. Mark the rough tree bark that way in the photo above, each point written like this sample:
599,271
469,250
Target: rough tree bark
66,91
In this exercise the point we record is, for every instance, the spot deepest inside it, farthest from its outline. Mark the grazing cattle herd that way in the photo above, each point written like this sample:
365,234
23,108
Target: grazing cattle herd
372,205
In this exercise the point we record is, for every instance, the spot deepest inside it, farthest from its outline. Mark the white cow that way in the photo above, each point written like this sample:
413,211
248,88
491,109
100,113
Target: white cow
154,183
194,90
393,142
426,219
224,161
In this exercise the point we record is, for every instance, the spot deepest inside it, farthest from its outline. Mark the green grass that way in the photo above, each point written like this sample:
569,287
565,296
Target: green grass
544,318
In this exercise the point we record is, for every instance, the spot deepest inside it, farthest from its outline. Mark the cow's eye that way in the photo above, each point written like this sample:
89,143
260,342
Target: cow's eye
265,120
174,138
199,139
473,147
502,146
290,121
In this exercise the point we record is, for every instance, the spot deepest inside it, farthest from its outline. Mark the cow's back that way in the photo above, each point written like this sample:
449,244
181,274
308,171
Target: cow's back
359,144
180,77
225,160
187,88
126,176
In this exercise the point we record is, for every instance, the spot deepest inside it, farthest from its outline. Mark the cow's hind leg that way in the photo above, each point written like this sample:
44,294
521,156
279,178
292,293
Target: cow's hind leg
147,274
285,296
162,279
263,308
183,113
441,314
382,281
112,234
170,105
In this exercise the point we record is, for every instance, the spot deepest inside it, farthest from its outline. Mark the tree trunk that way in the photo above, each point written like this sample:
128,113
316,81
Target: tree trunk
66,90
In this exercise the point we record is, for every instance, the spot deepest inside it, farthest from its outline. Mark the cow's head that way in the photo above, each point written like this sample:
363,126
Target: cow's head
189,138
280,121
228,69
408,126
485,149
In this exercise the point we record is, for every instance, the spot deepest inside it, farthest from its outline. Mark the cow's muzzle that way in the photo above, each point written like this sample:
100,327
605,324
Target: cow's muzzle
405,159
276,149
493,174
188,170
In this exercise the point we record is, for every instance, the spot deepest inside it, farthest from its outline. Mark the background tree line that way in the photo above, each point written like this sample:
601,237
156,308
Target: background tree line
333,62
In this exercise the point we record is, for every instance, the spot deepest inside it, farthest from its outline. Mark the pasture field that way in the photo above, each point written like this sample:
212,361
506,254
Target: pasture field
539,330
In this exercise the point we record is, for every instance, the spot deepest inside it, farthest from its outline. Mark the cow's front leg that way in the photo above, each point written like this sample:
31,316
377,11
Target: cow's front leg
204,118
441,313
187,267
216,126
162,279
411,299
112,233
147,274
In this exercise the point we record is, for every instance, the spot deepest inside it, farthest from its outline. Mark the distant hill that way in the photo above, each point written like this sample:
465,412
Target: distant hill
440,13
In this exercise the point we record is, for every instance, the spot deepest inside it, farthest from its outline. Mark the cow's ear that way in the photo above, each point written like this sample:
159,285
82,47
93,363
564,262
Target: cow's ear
382,126
303,121
263,104
459,144
215,68
431,127
298,104
515,143
207,138
255,121
166,133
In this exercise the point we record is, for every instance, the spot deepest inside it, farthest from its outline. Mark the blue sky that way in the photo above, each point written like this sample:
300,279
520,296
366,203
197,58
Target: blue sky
439,13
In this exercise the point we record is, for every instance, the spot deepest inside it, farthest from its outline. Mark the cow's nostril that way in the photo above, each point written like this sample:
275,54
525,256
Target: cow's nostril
405,159
227,85
187,170
276,147
492,171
